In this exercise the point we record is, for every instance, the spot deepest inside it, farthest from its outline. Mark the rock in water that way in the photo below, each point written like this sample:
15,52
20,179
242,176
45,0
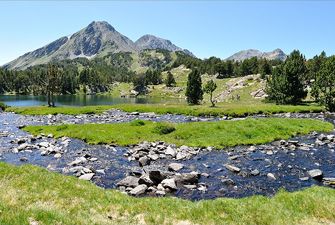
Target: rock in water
169,183
175,166
271,176
140,189
232,168
87,176
156,176
129,181
316,174
144,161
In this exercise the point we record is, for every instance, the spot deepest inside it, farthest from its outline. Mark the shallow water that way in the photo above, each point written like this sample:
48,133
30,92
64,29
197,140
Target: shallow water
81,100
286,165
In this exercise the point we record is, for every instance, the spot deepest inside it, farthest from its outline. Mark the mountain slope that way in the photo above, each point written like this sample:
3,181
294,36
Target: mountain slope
276,54
96,40
149,41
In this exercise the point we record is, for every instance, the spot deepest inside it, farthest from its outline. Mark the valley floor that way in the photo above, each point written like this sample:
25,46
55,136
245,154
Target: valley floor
32,195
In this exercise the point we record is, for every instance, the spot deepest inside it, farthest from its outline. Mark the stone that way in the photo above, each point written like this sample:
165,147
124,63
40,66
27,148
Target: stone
153,157
271,176
129,181
144,161
205,175
315,174
43,144
254,172
140,189
78,161
101,171
234,157
293,142
322,137
187,178
58,155
232,168
22,147
170,151
175,166
145,179
160,187
44,153
202,188
228,181
160,193
329,181
190,186
252,148
169,183
23,159
184,148
21,141
156,176
180,155
87,176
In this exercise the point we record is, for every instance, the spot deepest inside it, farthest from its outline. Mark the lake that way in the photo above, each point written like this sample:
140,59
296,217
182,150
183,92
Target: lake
80,100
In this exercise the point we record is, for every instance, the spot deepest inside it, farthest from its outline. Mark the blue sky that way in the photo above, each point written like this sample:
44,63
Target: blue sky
207,28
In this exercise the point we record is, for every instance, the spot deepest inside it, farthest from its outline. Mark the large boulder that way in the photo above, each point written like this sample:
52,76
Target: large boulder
129,181
316,174
140,189
157,176
187,178
169,183
175,166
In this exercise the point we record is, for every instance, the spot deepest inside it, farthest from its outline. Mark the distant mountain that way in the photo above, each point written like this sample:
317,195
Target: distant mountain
247,54
96,40
149,41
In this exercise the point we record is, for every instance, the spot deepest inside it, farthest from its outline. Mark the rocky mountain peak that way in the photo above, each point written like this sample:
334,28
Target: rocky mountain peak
99,38
149,41
276,54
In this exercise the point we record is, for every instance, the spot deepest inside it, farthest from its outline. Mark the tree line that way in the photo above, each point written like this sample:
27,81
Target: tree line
290,81
227,68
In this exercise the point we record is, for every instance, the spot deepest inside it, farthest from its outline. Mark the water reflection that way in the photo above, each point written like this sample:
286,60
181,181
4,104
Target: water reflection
81,100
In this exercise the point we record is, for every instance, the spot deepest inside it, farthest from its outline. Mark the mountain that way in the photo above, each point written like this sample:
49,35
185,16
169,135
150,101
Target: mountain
96,40
247,54
149,41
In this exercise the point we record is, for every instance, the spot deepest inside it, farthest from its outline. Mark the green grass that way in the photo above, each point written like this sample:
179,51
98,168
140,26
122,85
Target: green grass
202,134
29,193
237,109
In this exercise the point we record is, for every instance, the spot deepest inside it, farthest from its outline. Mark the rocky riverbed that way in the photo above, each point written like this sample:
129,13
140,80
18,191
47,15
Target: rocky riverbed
162,169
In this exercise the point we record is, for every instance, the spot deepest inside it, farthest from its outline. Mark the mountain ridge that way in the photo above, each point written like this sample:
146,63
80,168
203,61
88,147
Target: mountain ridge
95,40
276,54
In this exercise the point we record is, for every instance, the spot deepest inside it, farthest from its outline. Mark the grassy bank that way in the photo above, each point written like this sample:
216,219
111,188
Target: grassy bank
218,134
226,109
31,194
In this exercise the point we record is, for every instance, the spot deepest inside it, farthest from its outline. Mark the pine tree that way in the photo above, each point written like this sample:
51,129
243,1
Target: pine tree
324,84
194,91
286,84
170,81
264,68
209,89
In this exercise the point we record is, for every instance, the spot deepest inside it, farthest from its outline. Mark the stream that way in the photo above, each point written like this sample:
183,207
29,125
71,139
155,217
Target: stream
232,172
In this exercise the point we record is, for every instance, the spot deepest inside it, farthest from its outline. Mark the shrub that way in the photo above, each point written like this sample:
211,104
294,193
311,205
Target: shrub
3,106
164,128
137,123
